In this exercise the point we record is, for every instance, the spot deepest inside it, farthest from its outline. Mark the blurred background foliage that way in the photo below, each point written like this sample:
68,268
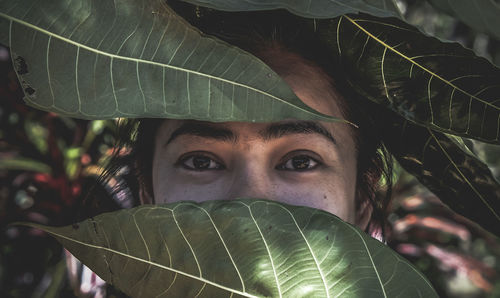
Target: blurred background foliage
48,165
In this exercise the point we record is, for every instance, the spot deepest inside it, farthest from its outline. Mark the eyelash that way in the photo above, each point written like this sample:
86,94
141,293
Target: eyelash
287,159
184,158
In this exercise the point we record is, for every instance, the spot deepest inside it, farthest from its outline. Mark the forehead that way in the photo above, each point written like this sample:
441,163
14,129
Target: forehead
310,85
307,79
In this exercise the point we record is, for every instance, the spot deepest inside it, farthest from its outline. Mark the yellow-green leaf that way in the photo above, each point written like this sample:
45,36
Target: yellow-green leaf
238,248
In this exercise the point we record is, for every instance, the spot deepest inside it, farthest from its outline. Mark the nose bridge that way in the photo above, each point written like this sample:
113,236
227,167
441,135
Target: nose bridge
250,180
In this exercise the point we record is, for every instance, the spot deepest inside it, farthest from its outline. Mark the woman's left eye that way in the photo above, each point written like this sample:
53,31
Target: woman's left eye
298,163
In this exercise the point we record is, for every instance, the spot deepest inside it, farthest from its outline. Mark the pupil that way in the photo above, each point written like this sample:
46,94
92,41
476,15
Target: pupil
300,162
201,162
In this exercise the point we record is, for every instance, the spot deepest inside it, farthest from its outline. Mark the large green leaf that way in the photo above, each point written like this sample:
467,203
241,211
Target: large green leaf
307,8
456,176
238,248
482,15
440,85
100,59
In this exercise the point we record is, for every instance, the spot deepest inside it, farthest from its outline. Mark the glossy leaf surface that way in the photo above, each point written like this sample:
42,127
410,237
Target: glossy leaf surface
238,248
307,8
458,178
440,85
105,59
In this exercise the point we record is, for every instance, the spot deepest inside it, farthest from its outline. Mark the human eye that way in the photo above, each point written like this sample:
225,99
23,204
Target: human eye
298,162
199,161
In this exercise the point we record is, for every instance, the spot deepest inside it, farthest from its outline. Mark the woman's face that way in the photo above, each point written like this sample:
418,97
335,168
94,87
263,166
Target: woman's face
309,163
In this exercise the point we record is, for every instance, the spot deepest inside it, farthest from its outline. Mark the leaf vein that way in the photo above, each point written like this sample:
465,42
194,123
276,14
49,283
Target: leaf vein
154,264
187,242
303,109
463,175
267,249
418,65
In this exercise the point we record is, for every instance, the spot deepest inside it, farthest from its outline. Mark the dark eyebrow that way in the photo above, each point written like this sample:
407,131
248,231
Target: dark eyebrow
203,129
278,130
273,131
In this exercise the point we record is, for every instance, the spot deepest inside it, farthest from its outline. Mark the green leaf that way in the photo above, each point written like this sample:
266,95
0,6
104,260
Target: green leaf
458,178
306,8
480,15
240,248
440,85
37,134
104,59
437,84
23,164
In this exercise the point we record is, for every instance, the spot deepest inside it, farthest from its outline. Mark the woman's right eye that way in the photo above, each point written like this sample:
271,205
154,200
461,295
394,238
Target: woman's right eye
200,163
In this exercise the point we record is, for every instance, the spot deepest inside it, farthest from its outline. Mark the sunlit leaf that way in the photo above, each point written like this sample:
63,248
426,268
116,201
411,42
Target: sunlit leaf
238,248
459,179
307,8
103,59
440,85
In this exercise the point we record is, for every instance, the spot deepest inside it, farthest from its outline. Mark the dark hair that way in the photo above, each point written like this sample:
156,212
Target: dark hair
276,33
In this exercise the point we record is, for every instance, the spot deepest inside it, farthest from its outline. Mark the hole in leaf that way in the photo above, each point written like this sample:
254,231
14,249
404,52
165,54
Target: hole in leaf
21,66
29,90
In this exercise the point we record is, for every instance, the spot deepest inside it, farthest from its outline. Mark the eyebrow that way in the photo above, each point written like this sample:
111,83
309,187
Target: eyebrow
278,130
273,131
203,129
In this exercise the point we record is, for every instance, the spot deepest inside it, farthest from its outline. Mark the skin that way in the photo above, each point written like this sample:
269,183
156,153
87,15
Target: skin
301,167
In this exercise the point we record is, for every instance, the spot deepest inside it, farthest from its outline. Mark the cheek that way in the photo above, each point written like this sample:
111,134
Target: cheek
329,195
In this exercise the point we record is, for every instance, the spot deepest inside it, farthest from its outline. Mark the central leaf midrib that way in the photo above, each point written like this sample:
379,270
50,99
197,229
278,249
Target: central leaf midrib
201,279
112,56
318,267
420,66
